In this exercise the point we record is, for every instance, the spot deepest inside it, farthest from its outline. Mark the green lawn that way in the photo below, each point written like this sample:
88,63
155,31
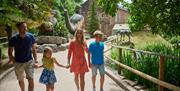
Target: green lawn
141,39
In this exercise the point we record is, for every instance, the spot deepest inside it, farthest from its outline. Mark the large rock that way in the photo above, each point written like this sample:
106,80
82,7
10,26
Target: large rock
51,40
54,47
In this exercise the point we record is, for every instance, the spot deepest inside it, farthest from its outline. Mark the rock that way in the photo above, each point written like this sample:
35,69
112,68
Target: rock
54,47
51,40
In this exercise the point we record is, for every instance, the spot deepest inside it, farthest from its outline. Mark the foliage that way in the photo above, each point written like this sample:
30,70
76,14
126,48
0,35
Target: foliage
46,28
109,6
2,33
3,52
13,11
93,22
69,5
175,40
162,16
60,30
149,64
114,55
33,31
22,10
78,1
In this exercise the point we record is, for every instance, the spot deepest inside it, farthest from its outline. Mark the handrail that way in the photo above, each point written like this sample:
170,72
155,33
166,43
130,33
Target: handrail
143,75
159,81
145,52
3,43
3,38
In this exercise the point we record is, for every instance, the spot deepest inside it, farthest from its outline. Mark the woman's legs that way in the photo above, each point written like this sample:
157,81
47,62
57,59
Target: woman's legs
50,87
76,80
82,82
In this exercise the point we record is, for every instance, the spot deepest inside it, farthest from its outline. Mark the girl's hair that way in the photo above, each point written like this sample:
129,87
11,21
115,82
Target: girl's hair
47,49
76,37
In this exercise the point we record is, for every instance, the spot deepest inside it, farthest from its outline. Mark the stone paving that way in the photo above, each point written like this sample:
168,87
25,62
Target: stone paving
65,80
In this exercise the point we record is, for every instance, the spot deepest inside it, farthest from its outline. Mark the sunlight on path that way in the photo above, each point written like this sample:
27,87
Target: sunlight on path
65,80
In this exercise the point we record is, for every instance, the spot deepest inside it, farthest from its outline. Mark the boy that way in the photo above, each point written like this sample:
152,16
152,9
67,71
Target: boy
96,50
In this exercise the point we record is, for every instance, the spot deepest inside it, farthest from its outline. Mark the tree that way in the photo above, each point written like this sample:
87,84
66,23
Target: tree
93,22
162,16
78,1
13,11
109,6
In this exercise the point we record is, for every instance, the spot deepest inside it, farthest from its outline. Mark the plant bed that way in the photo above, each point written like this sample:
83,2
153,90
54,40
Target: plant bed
4,66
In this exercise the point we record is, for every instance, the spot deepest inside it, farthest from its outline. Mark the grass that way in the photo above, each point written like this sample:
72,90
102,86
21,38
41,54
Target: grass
141,39
149,64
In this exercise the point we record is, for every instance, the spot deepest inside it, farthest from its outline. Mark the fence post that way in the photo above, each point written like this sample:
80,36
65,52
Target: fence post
119,59
161,71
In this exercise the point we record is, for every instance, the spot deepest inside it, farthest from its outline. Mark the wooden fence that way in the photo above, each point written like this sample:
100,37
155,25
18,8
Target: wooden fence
162,84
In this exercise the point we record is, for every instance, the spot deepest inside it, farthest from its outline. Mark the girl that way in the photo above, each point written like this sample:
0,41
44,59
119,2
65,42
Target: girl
48,76
76,50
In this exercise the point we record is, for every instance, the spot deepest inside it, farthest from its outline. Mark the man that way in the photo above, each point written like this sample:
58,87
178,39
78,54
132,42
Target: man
96,50
23,45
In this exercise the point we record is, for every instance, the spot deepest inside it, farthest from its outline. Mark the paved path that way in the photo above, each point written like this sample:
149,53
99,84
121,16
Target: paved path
65,79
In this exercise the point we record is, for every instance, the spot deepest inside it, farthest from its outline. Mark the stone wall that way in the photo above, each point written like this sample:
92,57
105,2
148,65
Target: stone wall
51,40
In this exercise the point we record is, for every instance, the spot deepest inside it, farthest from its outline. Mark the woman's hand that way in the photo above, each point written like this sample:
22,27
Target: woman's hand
67,66
89,65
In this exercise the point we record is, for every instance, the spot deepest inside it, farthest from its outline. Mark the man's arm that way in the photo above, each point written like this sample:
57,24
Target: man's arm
34,52
10,54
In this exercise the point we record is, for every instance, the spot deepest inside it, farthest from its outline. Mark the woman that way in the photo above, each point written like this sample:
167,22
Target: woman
78,66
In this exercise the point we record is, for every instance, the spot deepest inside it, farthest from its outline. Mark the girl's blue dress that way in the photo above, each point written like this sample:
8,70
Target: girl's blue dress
47,77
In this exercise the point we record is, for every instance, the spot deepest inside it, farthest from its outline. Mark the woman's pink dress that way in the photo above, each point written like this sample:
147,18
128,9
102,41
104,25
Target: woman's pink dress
76,51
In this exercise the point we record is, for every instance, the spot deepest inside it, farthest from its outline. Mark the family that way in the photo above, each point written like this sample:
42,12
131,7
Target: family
22,53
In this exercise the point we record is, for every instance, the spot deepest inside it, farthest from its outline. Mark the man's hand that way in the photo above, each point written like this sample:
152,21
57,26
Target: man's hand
11,60
35,66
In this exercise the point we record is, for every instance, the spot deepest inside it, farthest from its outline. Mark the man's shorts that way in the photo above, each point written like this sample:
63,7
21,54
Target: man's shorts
95,67
26,67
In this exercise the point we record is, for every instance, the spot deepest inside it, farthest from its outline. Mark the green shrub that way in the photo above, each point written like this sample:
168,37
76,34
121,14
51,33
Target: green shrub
114,55
175,40
149,64
3,52
60,30
33,31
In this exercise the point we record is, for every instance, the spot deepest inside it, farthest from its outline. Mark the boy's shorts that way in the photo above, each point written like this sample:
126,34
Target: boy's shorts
26,67
94,68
